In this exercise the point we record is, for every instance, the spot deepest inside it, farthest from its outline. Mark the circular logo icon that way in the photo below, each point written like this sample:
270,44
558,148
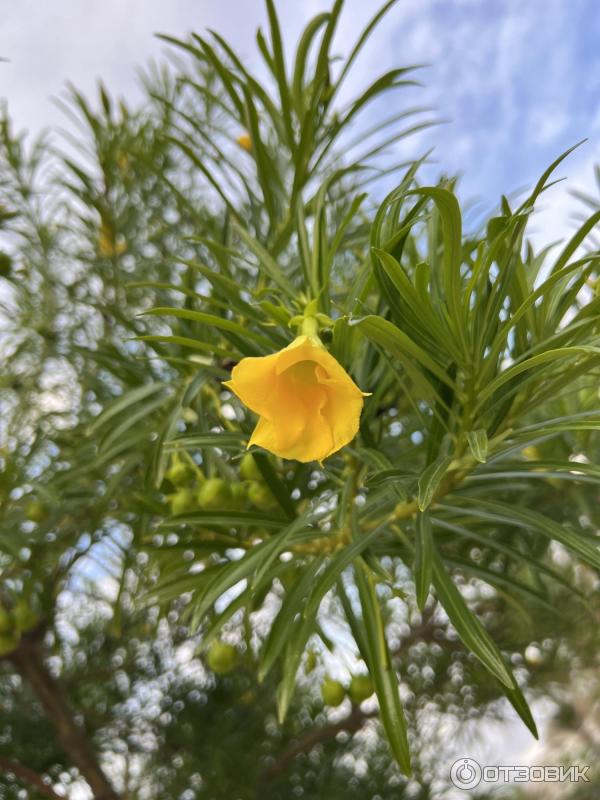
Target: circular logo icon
465,773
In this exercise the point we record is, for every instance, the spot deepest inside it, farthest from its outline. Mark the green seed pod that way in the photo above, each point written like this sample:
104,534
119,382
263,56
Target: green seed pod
35,511
179,473
249,469
239,498
222,658
332,692
260,495
214,493
8,642
361,687
182,501
6,621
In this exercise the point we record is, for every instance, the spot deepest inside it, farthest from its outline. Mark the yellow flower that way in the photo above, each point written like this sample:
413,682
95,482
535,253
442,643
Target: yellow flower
245,141
309,406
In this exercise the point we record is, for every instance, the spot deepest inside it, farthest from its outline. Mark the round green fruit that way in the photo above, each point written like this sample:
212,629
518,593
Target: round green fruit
249,469
361,687
222,658
332,692
35,511
260,495
239,497
178,473
182,501
214,493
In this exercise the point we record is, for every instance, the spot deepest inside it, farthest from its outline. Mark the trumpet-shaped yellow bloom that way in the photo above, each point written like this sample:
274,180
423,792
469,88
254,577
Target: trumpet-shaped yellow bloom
309,407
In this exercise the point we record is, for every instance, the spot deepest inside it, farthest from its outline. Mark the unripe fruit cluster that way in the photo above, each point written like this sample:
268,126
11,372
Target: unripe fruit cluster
333,692
195,491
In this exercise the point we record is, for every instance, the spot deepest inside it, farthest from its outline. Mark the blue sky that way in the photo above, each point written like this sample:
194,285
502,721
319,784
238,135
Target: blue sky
520,81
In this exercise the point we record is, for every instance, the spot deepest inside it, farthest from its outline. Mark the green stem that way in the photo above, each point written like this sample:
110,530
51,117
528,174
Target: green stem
310,327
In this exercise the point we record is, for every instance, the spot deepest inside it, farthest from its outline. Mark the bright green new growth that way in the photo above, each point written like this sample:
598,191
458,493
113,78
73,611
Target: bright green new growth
474,348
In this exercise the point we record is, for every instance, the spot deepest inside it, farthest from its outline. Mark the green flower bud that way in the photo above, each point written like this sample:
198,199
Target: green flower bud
361,687
222,658
249,469
182,501
261,496
332,692
214,493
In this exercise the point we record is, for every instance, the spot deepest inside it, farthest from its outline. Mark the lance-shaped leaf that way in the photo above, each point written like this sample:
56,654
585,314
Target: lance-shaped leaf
423,557
430,480
478,444
381,670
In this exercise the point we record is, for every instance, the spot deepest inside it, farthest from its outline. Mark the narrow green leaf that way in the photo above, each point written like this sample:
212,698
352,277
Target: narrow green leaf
278,543
423,557
449,210
292,606
381,670
192,344
211,320
431,479
279,70
242,519
478,443
390,338
541,185
585,547
226,440
304,627
266,260
531,363
124,402
467,625
302,51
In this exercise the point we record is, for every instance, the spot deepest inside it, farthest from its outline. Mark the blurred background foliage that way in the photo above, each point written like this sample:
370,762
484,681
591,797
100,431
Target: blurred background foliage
179,619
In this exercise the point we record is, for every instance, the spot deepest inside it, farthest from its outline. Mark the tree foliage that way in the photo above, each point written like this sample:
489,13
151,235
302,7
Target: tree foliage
144,258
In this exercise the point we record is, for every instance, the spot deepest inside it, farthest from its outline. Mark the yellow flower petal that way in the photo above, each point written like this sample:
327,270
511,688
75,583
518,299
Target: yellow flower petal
309,406
252,380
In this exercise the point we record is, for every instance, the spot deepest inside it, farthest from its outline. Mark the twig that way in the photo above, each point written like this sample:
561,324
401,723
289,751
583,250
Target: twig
29,661
352,723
